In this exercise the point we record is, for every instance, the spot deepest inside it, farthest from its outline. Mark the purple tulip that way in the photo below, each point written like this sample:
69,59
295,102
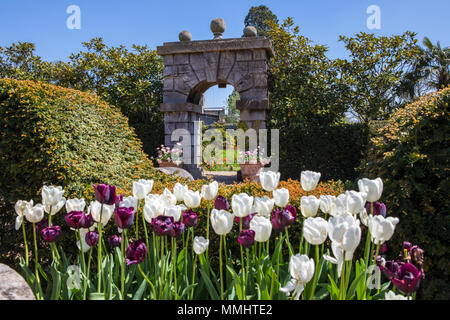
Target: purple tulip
177,229
118,200
51,234
106,194
162,225
283,218
245,221
390,268
75,219
378,209
91,238
88,221
407,278
246,238
136,252
114,241
417,255
407,245
124,217
221,203
190,218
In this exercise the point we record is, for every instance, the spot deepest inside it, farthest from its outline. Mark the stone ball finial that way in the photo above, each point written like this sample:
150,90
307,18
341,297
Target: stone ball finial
218,27
185,36
250,31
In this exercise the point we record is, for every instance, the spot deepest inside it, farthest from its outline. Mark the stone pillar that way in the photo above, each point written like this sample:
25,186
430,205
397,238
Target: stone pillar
253,112
185,116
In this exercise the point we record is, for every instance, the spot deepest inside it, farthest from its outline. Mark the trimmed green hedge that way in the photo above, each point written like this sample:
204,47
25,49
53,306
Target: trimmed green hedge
411,154
57,136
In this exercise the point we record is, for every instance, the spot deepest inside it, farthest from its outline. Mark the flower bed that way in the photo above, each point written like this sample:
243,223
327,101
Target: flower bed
155,250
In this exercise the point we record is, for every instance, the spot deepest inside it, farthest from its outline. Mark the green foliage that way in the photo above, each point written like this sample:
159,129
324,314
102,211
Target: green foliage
375,72
411,154
53,135
232,112
128,79
259,18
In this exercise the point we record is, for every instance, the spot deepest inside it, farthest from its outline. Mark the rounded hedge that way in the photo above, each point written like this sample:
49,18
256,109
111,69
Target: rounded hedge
411,154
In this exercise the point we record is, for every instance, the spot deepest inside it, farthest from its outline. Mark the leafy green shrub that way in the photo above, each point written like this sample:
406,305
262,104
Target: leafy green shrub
59,136
411,154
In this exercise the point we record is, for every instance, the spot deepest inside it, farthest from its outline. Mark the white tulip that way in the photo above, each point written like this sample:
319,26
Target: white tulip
262,227
128,202
34,214
221,221
269,180
381,228
281,197
20,208
355,201
390,295
75,205
192,199
263,206
339,206
142,188
174,211
97,211
209,191
309,180
168,198
315,230
301,268
364,217
153,207
241,204
179,190
373,188
309,206
55,208
327,203
345,231
51,195
200,245
83,244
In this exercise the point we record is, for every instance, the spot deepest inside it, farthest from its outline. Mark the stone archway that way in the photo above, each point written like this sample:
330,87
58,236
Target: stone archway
191,67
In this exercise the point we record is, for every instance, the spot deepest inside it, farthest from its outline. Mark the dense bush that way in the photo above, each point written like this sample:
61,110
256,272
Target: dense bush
59,136
334,151
411,154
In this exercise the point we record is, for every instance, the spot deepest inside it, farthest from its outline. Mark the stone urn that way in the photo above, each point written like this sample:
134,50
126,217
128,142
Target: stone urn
165,164
251,171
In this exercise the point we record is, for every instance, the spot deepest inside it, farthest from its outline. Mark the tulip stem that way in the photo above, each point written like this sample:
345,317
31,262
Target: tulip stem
316,273
83,262
148,281
341,287
88,271
242,264
208,208
193,276
300,248
38,280
122,274
25,241
161,268
221,271
288,243
137,221
174,264
99,254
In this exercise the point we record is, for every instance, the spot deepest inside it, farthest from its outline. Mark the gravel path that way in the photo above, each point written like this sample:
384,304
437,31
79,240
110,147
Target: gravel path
227,177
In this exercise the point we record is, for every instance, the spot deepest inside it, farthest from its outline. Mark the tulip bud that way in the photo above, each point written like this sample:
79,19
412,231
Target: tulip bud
124,217
241,204
75,219
153,207
377,209
200,245
283,218
315,230
246,238
192,199
105,193
221,203
262,227
373,188
221,221
309,180
354,201
179,190
281,197
51,234
190,218
136,252
407,278
91,238
141,188
41,225
209,191
269,180
88,221
382,229
162,225
309,206
114,241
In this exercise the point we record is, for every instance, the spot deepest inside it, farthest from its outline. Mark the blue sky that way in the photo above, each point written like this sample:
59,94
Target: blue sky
153,22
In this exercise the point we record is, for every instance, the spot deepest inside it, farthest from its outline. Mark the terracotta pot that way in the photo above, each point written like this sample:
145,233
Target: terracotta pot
251,171
163,164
